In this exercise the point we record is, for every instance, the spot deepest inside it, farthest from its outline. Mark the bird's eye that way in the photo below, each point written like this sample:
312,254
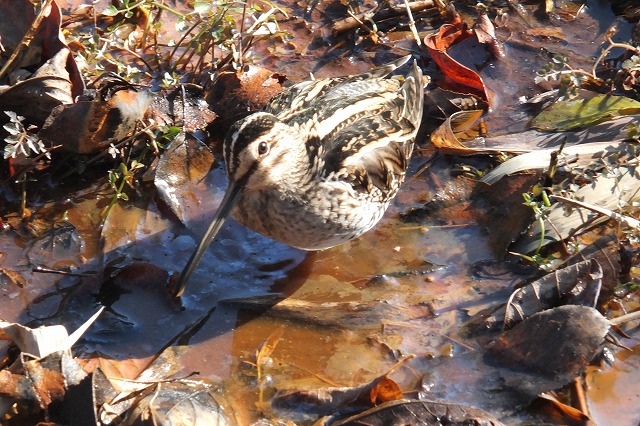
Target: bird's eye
263,148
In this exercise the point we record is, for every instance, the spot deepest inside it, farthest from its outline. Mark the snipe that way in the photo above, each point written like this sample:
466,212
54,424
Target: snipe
320,165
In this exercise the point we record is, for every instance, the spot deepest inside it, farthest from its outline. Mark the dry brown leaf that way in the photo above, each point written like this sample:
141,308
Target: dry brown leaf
567,411
90,126
447,136
420,413
233,95
557,343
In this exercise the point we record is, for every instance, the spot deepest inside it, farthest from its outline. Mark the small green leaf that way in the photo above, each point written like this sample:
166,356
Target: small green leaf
581,113
202,7
110,11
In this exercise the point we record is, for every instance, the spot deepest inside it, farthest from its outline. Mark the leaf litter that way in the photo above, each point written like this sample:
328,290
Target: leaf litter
356,309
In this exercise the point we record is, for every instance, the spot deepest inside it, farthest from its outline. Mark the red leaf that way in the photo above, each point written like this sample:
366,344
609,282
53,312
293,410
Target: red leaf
458,78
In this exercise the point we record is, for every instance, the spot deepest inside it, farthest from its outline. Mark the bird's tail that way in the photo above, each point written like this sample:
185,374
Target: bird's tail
413,92
384,70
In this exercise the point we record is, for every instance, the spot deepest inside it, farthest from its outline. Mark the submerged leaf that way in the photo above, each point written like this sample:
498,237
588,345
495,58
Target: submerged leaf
332,400
557,343
423,413
579,284
181,167
575,114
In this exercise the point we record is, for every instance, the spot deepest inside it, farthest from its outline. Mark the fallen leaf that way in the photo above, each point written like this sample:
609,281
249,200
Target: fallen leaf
331,400
90,126
567,411
183,106
385,390
577,284
486,33
181,167
458,77
234,95
42,381
420,413
557,343
181,402
45,340
581,113
447,136
549,32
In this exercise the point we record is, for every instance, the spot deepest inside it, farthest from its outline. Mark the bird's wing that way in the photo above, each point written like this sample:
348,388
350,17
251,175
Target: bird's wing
299,97
373,151
366,135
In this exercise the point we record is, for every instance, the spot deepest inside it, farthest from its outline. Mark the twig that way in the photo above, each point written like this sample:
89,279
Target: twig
44,270
179,44
352,22
17,54
412,24
623,219
578,385
363,25
625,318
612,45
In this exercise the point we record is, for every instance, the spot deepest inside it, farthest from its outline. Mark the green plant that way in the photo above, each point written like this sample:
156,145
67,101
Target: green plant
570,80
119,178
539,207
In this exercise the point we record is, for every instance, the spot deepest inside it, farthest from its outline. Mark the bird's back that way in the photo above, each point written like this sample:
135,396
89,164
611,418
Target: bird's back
359,129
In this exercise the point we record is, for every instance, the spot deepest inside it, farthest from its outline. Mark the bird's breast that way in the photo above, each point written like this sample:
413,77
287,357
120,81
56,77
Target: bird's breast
321,216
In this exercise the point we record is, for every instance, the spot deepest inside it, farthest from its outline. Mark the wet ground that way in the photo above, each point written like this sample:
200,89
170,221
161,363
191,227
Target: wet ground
348,313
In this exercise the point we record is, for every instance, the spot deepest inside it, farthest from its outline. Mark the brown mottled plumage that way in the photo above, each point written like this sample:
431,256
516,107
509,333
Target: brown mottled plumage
319,166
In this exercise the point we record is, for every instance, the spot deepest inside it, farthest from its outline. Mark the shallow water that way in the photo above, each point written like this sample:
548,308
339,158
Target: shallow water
349,313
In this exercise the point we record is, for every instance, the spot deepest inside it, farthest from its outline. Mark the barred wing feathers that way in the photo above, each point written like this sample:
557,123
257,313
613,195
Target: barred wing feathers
371,148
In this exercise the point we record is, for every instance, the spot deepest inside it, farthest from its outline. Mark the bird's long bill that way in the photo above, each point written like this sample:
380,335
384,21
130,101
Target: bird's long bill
223,211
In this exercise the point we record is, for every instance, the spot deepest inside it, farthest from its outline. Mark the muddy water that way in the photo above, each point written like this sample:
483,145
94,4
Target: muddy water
348,313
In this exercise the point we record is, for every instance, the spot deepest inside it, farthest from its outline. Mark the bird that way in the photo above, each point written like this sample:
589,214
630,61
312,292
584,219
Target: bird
320,164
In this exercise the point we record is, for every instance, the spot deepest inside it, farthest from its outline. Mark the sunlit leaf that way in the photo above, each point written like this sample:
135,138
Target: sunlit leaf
447,136
44,340
458,77
581,113
202,7
110,11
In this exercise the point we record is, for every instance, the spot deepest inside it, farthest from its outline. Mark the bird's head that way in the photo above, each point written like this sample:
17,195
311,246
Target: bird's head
258,151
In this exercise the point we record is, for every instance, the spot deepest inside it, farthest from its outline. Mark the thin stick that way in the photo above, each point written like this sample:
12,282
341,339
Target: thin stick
45,10
606,51
412,24
624,220
350,22
580,396
625,318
